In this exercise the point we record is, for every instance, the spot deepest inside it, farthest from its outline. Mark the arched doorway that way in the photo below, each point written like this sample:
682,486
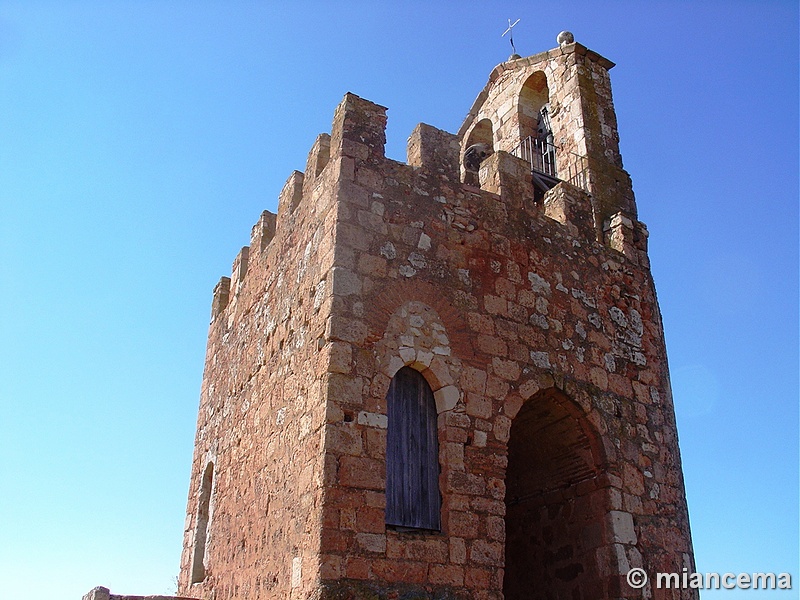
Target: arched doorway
555,507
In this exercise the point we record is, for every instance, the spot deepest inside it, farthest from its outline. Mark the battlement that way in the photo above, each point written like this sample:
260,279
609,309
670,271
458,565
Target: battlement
599,207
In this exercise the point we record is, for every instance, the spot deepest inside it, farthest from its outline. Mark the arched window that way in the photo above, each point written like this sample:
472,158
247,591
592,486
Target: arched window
201,526
412,454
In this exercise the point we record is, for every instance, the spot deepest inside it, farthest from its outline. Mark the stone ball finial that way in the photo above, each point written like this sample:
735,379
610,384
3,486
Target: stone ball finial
565,37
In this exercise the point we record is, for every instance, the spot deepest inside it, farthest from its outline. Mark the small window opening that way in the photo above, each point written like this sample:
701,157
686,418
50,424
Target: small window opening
413,500
202,526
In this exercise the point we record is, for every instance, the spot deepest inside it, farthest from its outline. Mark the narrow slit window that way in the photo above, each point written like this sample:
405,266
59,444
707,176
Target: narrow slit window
201,526
412,454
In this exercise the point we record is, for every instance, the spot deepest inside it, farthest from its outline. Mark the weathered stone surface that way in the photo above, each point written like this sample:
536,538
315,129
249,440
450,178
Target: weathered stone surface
534,323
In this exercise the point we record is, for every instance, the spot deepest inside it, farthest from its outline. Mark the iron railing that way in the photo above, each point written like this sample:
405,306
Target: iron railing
541,156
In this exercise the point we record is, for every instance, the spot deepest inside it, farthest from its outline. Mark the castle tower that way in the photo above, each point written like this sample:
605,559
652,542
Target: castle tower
444,378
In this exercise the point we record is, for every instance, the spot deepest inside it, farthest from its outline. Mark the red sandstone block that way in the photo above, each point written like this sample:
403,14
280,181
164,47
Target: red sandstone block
371,542
340,497
477,578
403,571
331,566
483,425
479,406
486,553
495,305
496,528
466,483
347,519
456,434
517,313
452,455
464,525
458,550
506,369
373,266
473,380
376,443
339,357
353,236
370,520
488,505
599,377
334,540
344,438
365,473
347,329
458,502
446,575
633,480
357,568
434,550
496,387
376,499
505,289
527,298
480,323
454,419
345,390
518,352
492,345
330,518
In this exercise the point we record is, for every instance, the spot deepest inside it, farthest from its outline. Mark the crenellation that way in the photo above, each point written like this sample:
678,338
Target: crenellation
434,150
263,231
291,195
239,269
359,130
220,296
627,235
318,158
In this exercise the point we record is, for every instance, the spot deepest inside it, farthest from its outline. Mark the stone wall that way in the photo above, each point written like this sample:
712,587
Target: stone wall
497,305
261,411
536,326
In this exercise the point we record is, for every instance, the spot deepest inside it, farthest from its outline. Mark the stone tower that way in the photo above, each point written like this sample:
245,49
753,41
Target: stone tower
444,378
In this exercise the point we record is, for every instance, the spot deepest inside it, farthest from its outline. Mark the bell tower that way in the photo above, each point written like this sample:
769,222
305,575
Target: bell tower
444,378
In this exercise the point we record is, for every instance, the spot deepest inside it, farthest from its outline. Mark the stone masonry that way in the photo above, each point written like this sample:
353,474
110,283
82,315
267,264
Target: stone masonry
534,323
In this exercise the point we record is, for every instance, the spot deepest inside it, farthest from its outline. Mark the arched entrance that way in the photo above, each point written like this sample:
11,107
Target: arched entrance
555,507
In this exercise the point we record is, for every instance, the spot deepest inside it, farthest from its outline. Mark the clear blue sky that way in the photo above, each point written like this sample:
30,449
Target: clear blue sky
139,142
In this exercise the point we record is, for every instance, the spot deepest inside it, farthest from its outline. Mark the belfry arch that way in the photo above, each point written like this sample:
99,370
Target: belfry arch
556,503
534,95
479,146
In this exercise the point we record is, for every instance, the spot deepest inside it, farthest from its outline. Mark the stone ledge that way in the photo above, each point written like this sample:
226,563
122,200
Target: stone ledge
102,593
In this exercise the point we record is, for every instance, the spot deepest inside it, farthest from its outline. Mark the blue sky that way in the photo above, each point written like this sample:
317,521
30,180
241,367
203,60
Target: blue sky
139,142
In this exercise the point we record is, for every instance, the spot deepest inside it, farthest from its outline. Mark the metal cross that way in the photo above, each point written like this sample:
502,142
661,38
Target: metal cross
511,34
